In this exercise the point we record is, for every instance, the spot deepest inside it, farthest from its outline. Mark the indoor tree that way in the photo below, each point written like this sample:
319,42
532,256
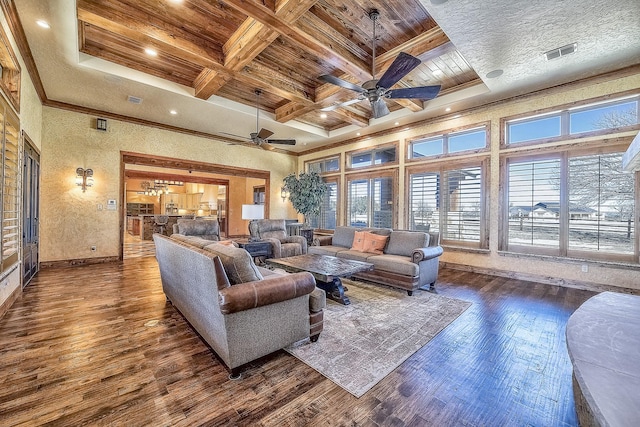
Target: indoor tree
306,193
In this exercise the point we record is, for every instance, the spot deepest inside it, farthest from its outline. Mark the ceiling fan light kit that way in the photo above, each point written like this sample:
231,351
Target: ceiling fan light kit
377,90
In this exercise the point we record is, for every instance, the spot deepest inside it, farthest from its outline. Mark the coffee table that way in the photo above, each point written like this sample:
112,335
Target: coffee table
326,269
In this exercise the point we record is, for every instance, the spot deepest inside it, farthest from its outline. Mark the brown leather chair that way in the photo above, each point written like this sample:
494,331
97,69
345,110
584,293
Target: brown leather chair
275,231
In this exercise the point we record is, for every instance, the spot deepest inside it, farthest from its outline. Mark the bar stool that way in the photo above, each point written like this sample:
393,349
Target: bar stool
160,222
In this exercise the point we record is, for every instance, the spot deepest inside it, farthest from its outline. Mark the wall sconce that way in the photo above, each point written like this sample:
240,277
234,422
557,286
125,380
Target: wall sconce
284,194
101,124
84,178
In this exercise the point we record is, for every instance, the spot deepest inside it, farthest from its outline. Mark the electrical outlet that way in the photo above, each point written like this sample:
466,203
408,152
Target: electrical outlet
99,206
585,268
93,248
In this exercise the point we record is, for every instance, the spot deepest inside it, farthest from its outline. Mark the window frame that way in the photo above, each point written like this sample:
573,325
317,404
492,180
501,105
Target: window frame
392,173
373,149
564,154
564,111
308,163
440,167
445,135
335,180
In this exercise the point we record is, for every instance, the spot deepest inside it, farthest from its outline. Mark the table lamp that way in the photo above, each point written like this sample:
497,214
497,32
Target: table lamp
252,213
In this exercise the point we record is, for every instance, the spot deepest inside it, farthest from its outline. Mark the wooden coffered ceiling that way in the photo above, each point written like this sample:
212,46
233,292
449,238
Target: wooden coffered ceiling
231,48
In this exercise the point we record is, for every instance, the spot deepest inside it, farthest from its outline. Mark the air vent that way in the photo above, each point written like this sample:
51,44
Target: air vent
561,51
134,99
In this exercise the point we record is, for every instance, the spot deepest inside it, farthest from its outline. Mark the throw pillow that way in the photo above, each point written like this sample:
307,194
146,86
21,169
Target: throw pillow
358,241
226,243
374,243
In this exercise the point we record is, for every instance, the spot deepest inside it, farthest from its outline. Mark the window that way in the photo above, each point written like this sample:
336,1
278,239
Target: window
573,121
9,216
448,143
448,201
331,164
572,205
328,211
375,157
371,202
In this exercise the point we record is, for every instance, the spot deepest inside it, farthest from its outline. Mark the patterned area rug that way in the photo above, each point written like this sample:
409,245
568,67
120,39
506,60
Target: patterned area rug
363,342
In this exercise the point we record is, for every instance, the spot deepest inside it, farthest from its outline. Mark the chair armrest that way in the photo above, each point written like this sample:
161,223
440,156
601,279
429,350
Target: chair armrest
322,240
296,239
248,295
422,254
276,246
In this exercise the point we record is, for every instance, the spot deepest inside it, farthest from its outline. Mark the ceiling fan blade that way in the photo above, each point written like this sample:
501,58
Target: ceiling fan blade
400,67
328,78
264,133
379,108
266,146
422,92
344,104
282,141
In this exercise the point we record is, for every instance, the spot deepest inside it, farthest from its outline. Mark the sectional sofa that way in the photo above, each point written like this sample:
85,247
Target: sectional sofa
403,259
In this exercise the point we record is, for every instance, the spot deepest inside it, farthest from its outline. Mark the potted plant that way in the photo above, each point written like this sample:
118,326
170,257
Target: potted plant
306,193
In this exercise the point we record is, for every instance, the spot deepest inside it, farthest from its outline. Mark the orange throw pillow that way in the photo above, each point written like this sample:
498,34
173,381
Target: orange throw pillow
358,241
226,242
374,243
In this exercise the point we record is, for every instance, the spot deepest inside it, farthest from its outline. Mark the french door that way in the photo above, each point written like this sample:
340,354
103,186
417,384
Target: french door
30,210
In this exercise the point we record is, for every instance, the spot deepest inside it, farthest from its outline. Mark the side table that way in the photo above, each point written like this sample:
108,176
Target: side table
258,249
307,233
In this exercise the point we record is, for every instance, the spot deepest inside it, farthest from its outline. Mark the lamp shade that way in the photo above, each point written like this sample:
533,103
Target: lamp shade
252,212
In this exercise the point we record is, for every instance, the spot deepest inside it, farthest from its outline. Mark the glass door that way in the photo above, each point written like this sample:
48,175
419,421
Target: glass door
30,210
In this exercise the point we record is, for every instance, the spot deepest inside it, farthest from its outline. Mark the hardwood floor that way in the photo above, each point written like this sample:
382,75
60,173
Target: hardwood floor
98,345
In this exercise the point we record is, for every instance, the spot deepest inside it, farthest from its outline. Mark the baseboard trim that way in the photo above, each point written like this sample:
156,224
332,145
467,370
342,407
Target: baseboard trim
554,281
77,262
17,293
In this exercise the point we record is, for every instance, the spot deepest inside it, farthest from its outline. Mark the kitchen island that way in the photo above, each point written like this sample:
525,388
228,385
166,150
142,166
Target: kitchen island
143,225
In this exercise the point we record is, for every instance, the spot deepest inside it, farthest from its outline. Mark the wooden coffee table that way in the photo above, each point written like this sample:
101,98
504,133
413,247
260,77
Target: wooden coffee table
326,269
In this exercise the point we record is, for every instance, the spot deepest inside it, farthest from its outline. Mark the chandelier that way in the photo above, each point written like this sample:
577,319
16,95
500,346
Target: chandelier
158,187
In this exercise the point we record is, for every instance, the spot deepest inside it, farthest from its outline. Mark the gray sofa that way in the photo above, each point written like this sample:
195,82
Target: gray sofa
242,311
409,260
204,228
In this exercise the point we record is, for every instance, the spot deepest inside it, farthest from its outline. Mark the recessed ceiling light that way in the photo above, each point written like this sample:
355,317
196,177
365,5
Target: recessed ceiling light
447,109
323,115
358,134
43,23
495,73
396,123
151,52
174,112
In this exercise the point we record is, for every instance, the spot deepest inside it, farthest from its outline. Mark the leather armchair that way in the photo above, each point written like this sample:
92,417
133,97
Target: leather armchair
275,231
203,228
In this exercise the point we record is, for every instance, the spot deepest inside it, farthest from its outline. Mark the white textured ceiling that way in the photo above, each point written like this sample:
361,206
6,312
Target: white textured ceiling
511,35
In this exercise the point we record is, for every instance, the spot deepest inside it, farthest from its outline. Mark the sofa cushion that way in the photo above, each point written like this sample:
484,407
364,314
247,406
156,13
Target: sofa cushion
358,241
326,250
404,242
374,243
237,263
354,255
205,228
395,264
343,236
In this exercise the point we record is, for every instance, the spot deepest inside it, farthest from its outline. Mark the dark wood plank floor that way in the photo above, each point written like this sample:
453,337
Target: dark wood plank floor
98,345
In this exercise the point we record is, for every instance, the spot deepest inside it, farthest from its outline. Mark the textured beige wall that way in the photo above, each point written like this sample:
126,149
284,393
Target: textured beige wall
70,220
558,271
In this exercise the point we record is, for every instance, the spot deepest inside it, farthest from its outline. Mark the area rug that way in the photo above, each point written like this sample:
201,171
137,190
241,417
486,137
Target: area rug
363,342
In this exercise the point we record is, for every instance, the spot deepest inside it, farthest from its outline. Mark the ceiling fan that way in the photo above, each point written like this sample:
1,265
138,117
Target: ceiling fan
259,137
377,90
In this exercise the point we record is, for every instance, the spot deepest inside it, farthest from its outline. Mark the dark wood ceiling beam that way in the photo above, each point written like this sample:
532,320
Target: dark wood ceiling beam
352,65
253,36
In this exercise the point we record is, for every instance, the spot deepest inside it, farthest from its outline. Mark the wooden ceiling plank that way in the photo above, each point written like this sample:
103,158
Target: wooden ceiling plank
145,34
352,118
308,41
